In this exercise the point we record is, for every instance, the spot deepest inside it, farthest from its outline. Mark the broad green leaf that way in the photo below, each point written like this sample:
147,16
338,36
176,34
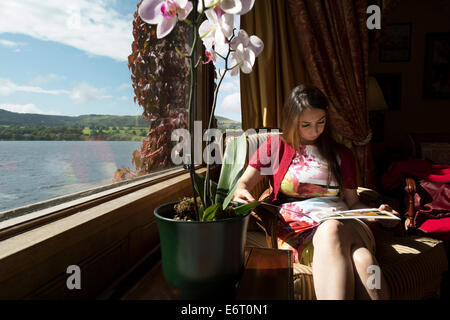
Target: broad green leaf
199,181
232,166
213,190
201,211
230,192
210,212
242,210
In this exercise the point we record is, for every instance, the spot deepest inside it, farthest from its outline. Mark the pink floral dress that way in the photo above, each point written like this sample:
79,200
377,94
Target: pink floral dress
306,179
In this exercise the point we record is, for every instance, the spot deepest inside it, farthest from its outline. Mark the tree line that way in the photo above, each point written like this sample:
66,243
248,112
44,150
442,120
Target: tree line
40,133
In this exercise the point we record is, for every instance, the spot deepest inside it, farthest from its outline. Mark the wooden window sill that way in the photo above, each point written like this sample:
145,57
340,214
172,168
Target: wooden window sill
105,240
32,216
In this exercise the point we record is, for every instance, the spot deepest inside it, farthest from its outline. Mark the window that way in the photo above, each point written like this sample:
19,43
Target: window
68,118
228,109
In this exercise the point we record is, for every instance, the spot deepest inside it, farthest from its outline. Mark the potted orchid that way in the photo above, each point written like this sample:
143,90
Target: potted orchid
203,238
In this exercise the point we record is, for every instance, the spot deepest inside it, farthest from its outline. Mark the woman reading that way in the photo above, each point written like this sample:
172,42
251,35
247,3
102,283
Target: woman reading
309,172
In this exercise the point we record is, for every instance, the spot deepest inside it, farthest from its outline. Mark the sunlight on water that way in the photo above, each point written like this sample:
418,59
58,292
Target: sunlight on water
34,171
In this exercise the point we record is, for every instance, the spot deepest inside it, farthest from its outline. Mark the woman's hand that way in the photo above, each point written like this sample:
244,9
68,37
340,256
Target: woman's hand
242,195
249,179
385,222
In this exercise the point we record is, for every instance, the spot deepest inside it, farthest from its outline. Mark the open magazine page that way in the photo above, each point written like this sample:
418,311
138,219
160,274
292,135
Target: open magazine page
371,213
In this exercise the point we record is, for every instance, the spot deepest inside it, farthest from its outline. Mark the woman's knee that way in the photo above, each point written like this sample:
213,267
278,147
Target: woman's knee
330,233
362,257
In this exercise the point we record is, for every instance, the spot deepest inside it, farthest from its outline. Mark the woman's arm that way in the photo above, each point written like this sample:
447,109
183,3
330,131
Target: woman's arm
352,200
246,183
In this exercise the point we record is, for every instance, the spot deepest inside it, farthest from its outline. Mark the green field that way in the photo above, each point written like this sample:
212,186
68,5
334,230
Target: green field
19,126
72,133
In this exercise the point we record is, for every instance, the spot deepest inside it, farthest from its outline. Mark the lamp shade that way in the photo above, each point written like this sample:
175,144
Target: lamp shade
375,96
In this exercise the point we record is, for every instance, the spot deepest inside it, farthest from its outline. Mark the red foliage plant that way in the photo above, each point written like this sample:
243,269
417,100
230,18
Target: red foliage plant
160,77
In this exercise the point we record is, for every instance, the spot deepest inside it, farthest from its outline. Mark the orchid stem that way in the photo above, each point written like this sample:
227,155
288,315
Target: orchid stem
206,190
192,115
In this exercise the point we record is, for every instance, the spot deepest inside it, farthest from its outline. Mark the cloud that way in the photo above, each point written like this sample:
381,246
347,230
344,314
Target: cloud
88,25
124,86
231,85
28,108
7,87
84,93
231,102
21,108
12,44
43,80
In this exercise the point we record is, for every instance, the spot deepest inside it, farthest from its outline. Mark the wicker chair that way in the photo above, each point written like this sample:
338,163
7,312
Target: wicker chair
412,265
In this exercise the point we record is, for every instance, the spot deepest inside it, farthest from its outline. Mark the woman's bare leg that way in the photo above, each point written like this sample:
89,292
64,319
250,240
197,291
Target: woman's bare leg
333,272
369,280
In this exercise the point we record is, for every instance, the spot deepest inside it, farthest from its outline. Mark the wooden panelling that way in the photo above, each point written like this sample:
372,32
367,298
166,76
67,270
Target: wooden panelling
105,241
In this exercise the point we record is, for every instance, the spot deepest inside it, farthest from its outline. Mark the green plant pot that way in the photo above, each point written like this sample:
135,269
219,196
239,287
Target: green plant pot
201,259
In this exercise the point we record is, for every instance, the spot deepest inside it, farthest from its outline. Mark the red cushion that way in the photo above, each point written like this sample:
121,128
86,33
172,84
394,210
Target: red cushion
437,228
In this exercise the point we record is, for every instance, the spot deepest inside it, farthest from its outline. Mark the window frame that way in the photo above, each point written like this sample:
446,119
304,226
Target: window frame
57,208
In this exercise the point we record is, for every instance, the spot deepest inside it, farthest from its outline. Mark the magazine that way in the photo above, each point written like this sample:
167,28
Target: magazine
370,213
320,216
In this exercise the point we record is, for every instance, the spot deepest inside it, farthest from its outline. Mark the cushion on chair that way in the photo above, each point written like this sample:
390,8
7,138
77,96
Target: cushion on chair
413,266
438,228
432,208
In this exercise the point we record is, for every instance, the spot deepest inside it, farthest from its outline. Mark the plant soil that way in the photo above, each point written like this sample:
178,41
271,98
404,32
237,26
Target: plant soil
185,211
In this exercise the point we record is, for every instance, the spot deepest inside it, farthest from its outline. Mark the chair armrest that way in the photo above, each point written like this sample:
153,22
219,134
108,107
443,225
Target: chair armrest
410,191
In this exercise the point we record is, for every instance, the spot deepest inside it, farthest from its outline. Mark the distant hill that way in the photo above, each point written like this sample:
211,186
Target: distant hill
31,120
92,120
225,123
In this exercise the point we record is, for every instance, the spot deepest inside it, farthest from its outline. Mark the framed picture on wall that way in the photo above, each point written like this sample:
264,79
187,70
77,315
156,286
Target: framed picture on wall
437,66
395,43
391,86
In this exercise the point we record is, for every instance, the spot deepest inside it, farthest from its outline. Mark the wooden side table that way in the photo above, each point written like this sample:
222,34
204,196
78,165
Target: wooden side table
268,275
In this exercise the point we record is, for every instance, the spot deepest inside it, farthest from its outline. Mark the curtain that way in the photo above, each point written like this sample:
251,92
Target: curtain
278,69
323,42
334,39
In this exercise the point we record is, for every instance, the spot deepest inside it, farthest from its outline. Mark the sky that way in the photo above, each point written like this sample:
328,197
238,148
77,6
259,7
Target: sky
70,58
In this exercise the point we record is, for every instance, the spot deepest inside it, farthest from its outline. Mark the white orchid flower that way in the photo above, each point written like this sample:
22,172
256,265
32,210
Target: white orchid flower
211,56
164,13
217,28
246,49
253,43
228,6
242,58
209,4
237,6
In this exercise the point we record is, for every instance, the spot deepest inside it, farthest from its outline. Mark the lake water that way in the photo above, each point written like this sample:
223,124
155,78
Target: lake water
34,171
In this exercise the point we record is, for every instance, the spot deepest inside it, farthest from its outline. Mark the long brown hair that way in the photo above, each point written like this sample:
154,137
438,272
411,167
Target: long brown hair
303,97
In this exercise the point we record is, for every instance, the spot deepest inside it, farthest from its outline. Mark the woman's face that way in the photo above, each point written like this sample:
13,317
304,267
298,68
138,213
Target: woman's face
311,124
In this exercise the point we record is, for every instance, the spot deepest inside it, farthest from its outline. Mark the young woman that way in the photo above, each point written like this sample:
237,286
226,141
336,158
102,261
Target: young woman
309,172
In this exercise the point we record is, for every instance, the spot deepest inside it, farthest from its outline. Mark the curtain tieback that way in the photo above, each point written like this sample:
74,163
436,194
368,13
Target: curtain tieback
364,141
